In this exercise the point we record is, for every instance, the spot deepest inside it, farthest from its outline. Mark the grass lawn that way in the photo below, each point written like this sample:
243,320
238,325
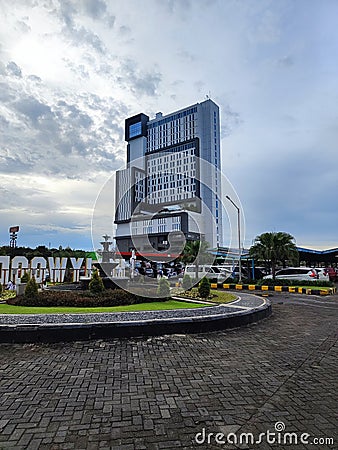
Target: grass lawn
222,297
154,306
218,297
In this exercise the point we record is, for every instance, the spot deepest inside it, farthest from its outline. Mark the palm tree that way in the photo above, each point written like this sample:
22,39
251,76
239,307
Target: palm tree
195,252
274,247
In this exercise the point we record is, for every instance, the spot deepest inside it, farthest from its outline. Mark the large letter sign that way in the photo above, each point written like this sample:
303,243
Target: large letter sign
14,270
19,262
57,269
38,266
4,269
76,264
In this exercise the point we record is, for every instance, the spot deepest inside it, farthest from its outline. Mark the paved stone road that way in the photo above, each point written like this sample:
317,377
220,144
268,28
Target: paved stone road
158,393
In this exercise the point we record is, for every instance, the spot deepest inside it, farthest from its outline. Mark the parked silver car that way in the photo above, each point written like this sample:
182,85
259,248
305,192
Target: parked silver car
295,273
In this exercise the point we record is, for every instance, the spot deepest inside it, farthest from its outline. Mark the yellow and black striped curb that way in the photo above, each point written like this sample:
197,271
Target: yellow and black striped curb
291,289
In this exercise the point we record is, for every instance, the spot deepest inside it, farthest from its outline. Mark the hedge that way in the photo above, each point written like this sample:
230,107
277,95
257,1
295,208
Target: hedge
117,297
281,282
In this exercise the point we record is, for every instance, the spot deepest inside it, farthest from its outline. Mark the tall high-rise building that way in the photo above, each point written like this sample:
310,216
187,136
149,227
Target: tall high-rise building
171,183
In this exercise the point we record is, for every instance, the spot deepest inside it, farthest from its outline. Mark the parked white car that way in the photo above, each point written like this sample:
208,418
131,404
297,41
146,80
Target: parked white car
323,274
295,273
206,270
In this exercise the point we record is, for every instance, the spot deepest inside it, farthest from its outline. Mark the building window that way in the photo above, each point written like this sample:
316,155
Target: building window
135,129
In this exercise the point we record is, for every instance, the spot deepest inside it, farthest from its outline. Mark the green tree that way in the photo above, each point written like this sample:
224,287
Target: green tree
196,252
25,277
204,288
31,290
163,289
274,248
186,282
42,250
96,284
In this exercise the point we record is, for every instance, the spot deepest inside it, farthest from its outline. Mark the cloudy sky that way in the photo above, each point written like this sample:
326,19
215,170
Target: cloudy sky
71,71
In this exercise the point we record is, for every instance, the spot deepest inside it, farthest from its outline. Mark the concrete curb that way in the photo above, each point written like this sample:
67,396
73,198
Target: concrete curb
66,332
290,289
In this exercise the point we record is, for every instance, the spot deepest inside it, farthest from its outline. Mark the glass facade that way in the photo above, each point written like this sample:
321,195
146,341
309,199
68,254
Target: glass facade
135,129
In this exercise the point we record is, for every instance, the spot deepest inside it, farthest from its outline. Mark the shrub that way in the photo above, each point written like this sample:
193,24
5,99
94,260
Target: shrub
322,283
8,295
31,290
148,295
271,282
163,289
187,282
25,278
192,293
281,282
96,284
116,297
204,287
68,276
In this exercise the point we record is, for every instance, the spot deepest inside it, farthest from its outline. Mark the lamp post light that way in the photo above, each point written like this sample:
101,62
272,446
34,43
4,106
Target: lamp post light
239,239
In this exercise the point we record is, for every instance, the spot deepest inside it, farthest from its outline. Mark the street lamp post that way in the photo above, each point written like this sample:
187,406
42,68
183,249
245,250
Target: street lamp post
239,239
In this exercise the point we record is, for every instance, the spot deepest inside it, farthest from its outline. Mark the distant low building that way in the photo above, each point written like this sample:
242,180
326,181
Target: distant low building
318,257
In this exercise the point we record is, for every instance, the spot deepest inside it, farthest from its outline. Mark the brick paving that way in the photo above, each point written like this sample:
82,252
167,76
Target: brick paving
157,393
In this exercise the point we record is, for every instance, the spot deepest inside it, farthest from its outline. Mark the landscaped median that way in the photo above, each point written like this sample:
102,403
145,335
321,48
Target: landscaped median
292,289
51,322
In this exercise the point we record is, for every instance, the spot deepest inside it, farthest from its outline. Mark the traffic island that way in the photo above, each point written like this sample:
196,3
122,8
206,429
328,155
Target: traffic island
30,328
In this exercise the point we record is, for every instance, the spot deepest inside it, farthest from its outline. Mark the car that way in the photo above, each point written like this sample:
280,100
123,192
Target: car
323,274
235,272
214,273
333,276
295,273
252,273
